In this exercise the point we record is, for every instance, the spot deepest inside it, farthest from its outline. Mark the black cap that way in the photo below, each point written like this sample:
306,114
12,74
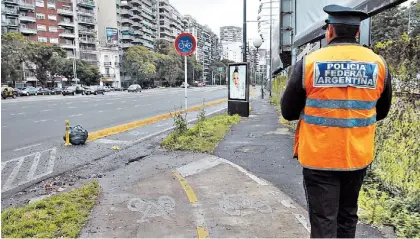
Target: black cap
344,15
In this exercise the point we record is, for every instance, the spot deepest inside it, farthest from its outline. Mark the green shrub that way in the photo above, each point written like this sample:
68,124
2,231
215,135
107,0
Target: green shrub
203,136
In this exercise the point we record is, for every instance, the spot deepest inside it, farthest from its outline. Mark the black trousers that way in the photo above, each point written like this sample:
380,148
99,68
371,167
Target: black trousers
332,201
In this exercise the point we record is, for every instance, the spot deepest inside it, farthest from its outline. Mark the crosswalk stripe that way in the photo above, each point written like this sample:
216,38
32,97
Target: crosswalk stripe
34,166
13,175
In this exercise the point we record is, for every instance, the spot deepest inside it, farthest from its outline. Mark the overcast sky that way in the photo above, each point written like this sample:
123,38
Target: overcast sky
218,13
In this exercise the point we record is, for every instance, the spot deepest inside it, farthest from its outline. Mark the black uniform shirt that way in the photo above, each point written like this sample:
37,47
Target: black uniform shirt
294,97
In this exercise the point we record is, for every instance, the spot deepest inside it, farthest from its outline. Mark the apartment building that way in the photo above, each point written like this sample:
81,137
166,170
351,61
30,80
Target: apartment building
231,34
109,21
138,23
170,21
87,41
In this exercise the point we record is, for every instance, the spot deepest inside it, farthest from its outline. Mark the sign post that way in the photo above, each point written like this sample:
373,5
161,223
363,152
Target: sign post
185,45
238,89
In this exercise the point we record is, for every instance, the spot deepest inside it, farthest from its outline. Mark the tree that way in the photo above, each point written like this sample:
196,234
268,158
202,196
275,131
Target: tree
169,66
195,69
140,62
42,59
390,24
88,74
13,56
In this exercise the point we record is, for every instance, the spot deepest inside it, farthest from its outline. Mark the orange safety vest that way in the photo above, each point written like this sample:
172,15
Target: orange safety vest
336,129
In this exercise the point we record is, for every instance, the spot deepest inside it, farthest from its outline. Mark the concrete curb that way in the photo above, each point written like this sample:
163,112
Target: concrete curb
129,126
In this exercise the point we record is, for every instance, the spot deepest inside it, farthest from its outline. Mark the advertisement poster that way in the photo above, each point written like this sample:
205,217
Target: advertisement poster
237,89
111,35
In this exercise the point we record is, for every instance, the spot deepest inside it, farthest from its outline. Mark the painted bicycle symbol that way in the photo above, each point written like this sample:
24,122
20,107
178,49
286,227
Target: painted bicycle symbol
150,208
236,204
185,45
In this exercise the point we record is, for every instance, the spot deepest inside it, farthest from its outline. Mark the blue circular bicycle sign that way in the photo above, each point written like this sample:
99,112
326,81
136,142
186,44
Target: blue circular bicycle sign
185,44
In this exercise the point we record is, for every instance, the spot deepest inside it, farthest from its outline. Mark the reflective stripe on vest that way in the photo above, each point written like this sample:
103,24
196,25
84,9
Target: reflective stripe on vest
337,125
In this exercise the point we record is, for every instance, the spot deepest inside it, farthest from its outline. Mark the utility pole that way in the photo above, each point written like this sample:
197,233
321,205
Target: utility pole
244,35
271,40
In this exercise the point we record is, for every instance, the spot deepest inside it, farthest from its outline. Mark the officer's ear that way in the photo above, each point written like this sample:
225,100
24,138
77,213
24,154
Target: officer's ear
330,33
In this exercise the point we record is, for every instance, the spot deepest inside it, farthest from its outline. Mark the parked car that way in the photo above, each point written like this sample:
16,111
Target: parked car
118,89
30,91
57,91
183,85
8,92
95,90
107,89
73,90
134,88
44,91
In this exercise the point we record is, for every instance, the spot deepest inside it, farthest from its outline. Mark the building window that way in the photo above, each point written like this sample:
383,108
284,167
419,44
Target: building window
40,16
39,3
42,39
41,27
52,17
51,5
53,29
54,40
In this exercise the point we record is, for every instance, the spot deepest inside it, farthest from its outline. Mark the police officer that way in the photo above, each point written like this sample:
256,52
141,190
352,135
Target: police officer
337,93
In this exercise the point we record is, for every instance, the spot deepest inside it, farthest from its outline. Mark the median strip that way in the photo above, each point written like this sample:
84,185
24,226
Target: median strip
132,125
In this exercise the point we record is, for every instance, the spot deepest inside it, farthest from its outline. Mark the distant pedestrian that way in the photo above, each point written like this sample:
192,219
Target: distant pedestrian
338,93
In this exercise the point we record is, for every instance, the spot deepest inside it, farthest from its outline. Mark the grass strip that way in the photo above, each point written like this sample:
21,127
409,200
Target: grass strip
203,136
61,215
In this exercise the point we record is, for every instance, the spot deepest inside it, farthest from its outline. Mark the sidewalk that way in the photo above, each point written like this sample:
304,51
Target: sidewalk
263,146
208,197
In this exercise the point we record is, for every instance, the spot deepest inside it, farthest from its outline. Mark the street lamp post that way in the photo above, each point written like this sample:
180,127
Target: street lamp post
244,35
257,44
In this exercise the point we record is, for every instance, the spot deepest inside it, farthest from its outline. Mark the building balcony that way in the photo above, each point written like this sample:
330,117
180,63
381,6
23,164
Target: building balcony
147,10
147,3
138,33
67,35
148,38
10,23
127,37
136,41
126,29
148,45
107,63
65,12
147,16
136,9
67,45
27,19
29,31
147,30
86,13
11,11
66,24
87,49
26,6
87,31
127,21
14,2
87,40
137,25
87,21
86,3
126,13
126,45
136,17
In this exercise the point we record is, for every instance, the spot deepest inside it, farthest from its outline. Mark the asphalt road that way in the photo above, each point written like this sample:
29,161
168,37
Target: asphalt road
32,129
36,120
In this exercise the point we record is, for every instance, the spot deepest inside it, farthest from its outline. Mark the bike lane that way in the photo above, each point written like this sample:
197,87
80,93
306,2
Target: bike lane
207,197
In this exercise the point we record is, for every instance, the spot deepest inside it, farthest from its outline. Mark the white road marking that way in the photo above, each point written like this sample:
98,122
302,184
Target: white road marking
287,204
198,166
72,107
52,105
46,110
27,147
68,103
123,101
37,121
101,111
13,174
109,103
36,157
137,106
24,107
21,113
75,115
111,141
34,165
119,108
85,101
4,126
302,221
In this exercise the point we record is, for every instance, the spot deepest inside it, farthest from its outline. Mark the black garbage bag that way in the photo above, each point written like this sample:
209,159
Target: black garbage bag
78,135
